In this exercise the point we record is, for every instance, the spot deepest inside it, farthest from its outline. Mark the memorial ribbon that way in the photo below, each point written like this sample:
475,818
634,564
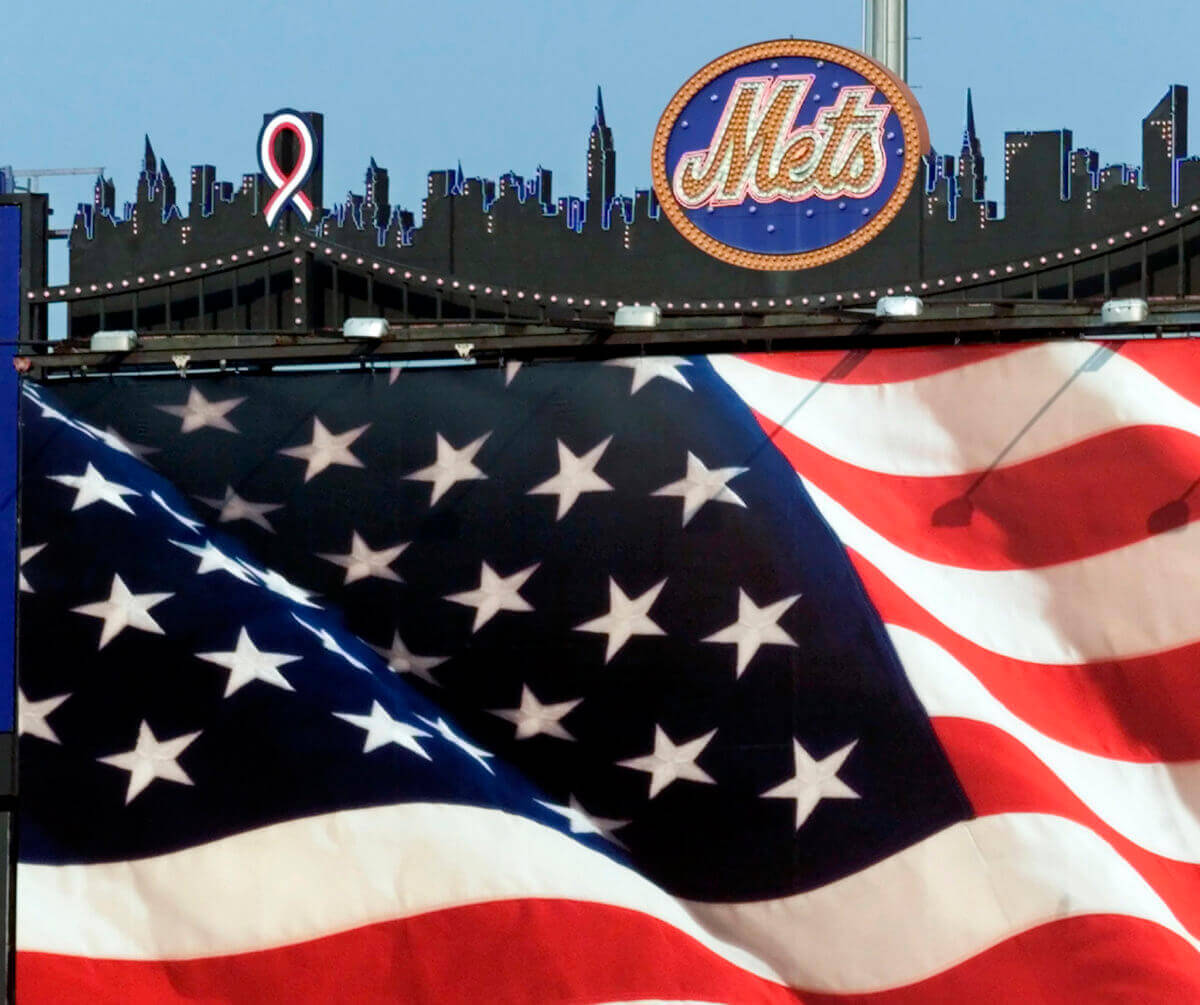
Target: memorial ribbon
287,186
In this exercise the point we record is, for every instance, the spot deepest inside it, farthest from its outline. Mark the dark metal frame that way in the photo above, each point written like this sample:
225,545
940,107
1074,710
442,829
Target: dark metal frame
496,341
299,285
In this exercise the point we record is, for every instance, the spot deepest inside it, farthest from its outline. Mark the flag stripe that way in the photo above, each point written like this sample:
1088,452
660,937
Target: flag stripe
420,857
875,367
1022,515
1150,804
1017,870
1051,615
1141,709
1099,958
1176,363
1000,776
459,957
1003,410
526,950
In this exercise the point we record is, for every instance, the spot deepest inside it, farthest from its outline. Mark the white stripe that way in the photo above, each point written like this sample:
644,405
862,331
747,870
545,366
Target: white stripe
899,921
1127,602
1153,805
938,903
961,420
316,876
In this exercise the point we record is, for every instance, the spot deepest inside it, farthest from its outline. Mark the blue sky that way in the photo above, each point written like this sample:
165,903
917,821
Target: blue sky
503,86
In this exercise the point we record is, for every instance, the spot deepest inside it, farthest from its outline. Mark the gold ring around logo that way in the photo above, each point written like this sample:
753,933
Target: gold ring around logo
894,91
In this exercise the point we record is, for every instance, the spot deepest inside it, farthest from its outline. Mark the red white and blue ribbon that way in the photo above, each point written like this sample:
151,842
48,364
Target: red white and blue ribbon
287,186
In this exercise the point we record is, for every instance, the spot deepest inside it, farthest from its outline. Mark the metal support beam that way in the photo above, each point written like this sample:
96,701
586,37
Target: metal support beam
1181,264
943,323
885,34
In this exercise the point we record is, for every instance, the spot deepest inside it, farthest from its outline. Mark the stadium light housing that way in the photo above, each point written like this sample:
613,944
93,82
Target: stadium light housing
365,328
637,316
899,307
123,340
1130,311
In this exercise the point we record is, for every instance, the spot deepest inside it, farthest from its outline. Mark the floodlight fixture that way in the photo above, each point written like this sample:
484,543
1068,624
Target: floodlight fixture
1128,311
637,316
899,307
123,340
365,328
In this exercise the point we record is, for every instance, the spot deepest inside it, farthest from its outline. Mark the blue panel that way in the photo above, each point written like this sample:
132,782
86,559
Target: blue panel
10,323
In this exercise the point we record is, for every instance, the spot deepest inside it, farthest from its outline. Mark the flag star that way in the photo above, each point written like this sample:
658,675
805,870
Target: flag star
124,610
446,733
532,717
701,485
247,663
669,762
327,449
646,368
494,594
192,525
576,475
199,412
382,729
213,559
579,821
115,440
330,644
92,487
363,563
276,583
453,465
151,758
813,781
625,618
755,627
401,660
511,369
31,716
27,554
234,507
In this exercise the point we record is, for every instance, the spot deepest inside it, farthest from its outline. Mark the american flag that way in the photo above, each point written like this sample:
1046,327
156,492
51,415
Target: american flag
857,676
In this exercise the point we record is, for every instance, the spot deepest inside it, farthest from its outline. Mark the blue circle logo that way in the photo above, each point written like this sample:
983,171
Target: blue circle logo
787,155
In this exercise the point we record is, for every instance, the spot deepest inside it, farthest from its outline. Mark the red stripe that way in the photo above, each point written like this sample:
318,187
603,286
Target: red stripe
1142,709
273,139
301,138
1175,362
543,951
1101,958
1057,508
460,956
879,366
1000,775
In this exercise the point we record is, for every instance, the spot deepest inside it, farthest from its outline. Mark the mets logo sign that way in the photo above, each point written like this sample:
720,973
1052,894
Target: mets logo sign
787,154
